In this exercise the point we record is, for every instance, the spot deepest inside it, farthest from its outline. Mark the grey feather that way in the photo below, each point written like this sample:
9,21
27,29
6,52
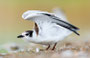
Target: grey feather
63,23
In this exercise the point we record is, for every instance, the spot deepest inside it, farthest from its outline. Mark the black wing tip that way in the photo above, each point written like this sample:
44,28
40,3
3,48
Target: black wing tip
77,28
76,33
74,28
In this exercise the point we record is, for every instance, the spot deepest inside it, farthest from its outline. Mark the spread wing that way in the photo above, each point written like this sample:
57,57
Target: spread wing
60,13
40,17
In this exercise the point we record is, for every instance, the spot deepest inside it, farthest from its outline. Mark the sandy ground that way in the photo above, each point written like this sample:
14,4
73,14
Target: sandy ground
67,50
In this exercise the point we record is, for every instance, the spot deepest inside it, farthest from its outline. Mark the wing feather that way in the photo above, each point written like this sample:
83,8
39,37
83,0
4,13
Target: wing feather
41,17
63,23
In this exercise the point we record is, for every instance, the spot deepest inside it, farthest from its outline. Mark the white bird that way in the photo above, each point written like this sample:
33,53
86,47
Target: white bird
49,28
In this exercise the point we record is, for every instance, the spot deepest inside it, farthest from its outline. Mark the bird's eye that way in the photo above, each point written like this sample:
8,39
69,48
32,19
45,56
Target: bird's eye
26,34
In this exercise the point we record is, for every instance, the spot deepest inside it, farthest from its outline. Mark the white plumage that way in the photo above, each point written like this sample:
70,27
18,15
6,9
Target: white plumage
52,28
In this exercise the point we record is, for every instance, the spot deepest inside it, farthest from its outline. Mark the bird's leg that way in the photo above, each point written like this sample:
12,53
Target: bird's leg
54,46
48,47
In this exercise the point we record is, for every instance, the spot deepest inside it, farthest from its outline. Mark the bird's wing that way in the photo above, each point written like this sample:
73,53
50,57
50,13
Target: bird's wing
60,13
41,17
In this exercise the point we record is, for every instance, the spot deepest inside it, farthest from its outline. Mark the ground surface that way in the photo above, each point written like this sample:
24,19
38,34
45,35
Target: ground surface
67,50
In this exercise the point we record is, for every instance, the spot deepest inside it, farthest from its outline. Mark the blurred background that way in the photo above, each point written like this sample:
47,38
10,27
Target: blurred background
12,24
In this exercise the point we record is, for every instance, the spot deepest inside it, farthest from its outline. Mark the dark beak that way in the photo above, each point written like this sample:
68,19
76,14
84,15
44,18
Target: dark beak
20,36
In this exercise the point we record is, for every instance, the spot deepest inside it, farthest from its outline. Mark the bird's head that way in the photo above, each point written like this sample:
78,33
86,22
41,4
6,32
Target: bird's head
26,34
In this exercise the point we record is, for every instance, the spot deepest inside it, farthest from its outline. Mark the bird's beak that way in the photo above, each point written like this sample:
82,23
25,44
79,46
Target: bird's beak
20,36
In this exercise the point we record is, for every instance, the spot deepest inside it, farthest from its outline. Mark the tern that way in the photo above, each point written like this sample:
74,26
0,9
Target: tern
49,28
